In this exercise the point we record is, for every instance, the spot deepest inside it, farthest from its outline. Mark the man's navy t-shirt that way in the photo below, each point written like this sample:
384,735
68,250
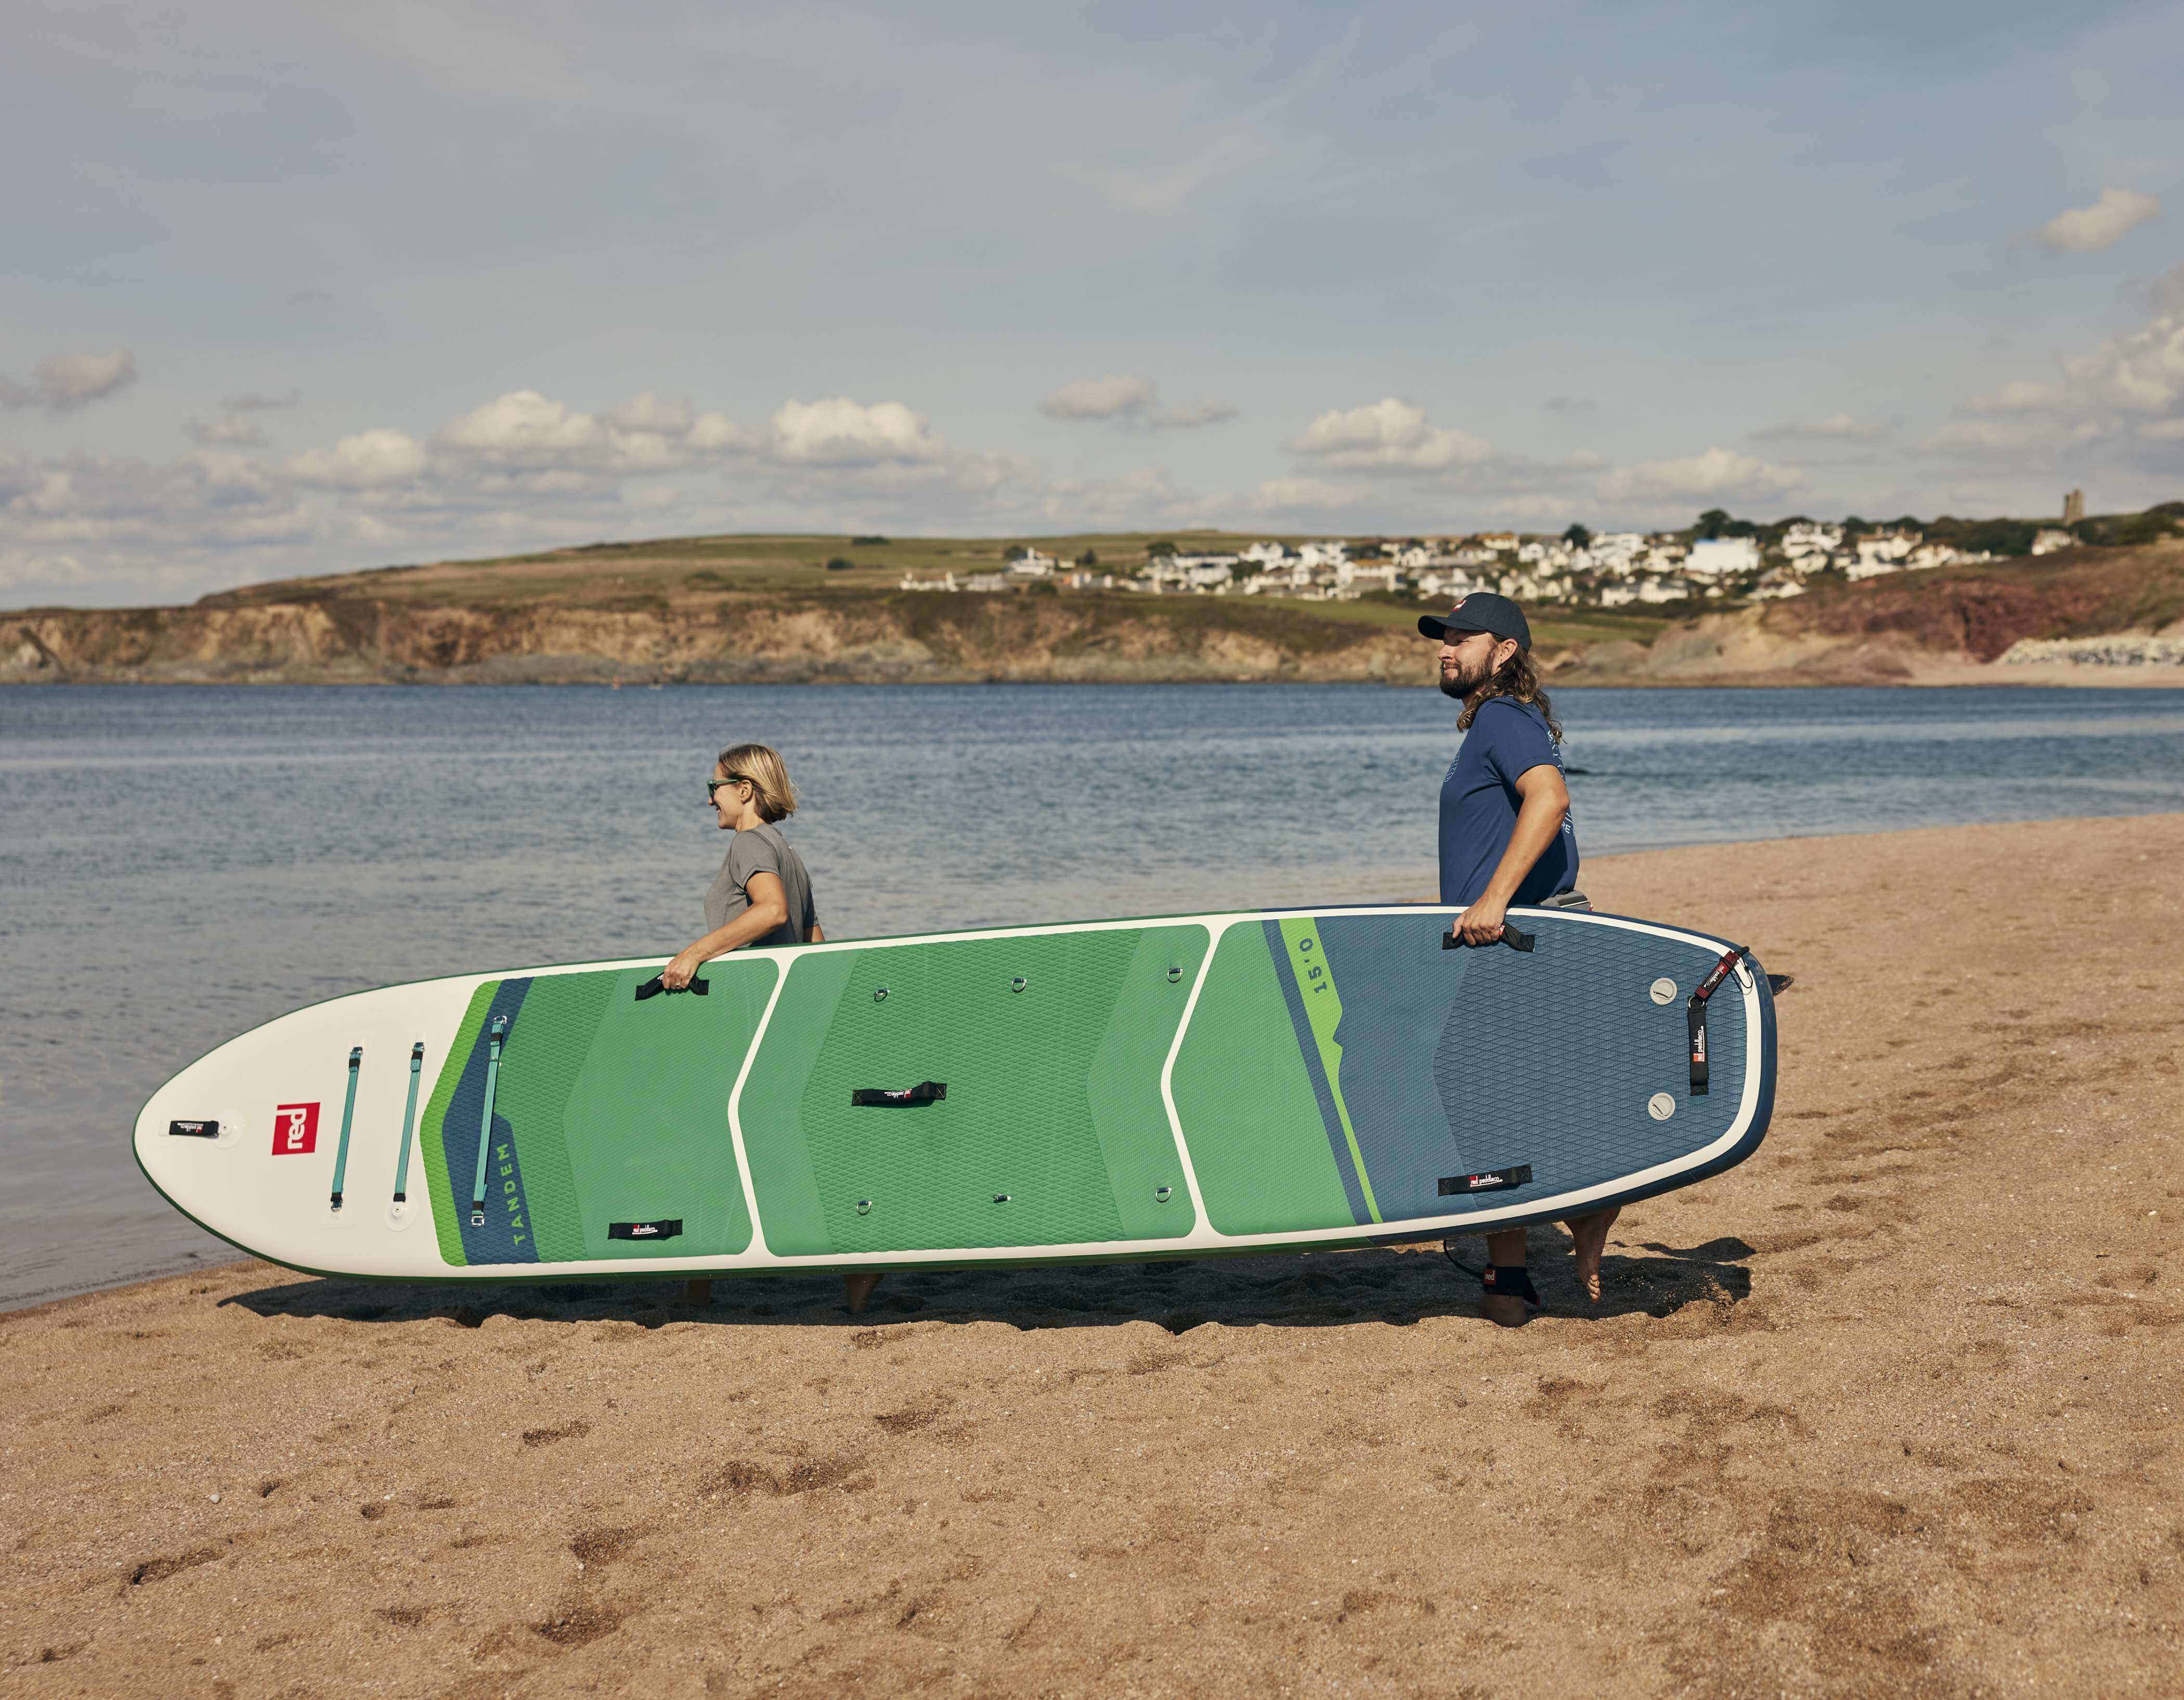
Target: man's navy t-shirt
1479,805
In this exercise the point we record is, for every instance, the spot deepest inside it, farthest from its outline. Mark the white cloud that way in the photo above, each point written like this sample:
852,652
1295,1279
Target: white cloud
2107,221
649,412
2142,372
1388,435
718,432
61,383
522,425
842,432
1305,496
1834,427
369,460
229,432
250,401
1987,436
150,522
1148,498
1718,473
2106,412
2016,396
1133,402
2166,294
1190,415
1100,398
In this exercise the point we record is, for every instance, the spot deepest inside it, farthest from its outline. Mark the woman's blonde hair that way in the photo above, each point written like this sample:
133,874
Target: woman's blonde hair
775,796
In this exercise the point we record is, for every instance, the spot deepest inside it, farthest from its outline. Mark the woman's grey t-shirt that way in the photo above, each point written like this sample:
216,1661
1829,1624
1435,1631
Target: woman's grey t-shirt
761,849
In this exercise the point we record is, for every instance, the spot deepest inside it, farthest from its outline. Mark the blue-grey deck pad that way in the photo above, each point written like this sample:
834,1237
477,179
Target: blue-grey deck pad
1457,1062
504,1238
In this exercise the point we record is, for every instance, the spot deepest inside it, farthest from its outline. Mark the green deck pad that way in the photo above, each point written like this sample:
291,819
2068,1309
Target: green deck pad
1053,1094
644,1118
445,1226
617,1109
1245,1100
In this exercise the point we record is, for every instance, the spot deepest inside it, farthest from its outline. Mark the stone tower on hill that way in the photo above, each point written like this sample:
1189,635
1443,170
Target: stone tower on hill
2074,507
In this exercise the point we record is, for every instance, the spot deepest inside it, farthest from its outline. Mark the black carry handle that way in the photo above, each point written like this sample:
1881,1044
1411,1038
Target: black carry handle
658,983
879,1097
1515,937
1695,1015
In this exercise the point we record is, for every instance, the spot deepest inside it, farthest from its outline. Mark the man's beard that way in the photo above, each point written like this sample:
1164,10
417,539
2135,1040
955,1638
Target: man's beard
1462,685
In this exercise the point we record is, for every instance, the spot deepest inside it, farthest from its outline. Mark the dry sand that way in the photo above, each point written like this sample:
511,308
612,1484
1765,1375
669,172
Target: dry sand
1892,1409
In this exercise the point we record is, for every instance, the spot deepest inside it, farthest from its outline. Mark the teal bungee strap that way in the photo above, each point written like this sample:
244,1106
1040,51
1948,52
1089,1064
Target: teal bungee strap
409,1125
485,1121
348,1120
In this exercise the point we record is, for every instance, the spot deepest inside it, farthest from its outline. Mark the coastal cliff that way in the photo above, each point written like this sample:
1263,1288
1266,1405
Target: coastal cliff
755,611
936,637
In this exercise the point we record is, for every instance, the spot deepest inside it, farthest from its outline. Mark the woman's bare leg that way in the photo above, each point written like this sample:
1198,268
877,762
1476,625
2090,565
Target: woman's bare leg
1589,1234
856,1289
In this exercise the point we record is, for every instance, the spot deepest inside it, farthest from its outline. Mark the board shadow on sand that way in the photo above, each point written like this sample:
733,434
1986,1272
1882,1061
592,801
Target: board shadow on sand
1398,1287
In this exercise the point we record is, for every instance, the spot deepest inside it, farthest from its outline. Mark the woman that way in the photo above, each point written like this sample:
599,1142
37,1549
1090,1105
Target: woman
762,895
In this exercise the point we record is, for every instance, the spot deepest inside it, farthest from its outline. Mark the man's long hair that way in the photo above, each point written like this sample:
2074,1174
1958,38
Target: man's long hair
1517,680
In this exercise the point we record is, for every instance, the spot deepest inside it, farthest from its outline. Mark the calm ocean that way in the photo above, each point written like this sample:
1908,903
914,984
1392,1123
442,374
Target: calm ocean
179,865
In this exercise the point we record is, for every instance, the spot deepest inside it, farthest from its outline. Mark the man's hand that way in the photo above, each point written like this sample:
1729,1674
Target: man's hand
678,972
1481,924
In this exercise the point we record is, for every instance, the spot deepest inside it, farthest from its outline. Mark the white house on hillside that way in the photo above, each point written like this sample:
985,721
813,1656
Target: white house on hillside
1883,552
1809,538
1721,557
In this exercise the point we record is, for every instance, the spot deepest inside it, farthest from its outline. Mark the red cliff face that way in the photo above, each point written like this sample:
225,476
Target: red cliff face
1975,618
1902,624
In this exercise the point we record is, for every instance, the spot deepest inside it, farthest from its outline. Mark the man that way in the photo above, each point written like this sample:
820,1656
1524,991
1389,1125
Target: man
1505,837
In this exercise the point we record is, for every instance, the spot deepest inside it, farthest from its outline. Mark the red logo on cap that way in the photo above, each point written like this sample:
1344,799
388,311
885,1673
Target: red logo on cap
295,1130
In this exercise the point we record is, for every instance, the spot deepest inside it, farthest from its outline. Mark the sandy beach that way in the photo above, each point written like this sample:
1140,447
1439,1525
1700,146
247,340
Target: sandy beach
1892,1409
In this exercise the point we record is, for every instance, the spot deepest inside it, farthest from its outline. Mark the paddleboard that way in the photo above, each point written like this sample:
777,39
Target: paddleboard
1113,1090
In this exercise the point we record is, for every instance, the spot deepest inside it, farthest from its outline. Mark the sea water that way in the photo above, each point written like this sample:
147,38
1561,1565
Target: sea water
178,864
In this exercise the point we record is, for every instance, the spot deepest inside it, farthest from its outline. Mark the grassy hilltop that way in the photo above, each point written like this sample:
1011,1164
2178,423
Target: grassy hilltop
778,608
747,609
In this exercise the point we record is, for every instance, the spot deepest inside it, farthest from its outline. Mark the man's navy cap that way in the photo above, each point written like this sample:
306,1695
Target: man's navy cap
1481,611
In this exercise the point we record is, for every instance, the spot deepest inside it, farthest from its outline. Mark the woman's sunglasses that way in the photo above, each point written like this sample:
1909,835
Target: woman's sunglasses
714,784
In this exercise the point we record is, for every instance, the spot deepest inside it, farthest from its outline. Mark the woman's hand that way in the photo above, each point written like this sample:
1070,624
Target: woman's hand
677,974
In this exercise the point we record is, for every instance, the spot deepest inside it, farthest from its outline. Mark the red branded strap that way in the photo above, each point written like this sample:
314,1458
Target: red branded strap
1695,1017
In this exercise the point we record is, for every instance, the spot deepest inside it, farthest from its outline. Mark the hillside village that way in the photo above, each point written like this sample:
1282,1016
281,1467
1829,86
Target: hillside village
1720,560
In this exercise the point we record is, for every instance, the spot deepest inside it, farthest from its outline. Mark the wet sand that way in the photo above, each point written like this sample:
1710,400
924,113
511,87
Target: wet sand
1892,1409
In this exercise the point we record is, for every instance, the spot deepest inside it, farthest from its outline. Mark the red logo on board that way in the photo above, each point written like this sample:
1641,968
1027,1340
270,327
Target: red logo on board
295,1130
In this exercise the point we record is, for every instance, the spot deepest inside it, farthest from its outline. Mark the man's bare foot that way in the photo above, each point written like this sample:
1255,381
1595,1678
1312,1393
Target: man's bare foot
1589,1236
1504,1309
698,1292
856,1289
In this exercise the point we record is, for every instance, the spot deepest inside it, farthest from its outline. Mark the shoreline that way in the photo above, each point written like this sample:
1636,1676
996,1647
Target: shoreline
1924,676
1606,867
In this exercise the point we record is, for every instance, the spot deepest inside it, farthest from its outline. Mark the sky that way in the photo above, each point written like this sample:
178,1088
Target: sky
297,287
